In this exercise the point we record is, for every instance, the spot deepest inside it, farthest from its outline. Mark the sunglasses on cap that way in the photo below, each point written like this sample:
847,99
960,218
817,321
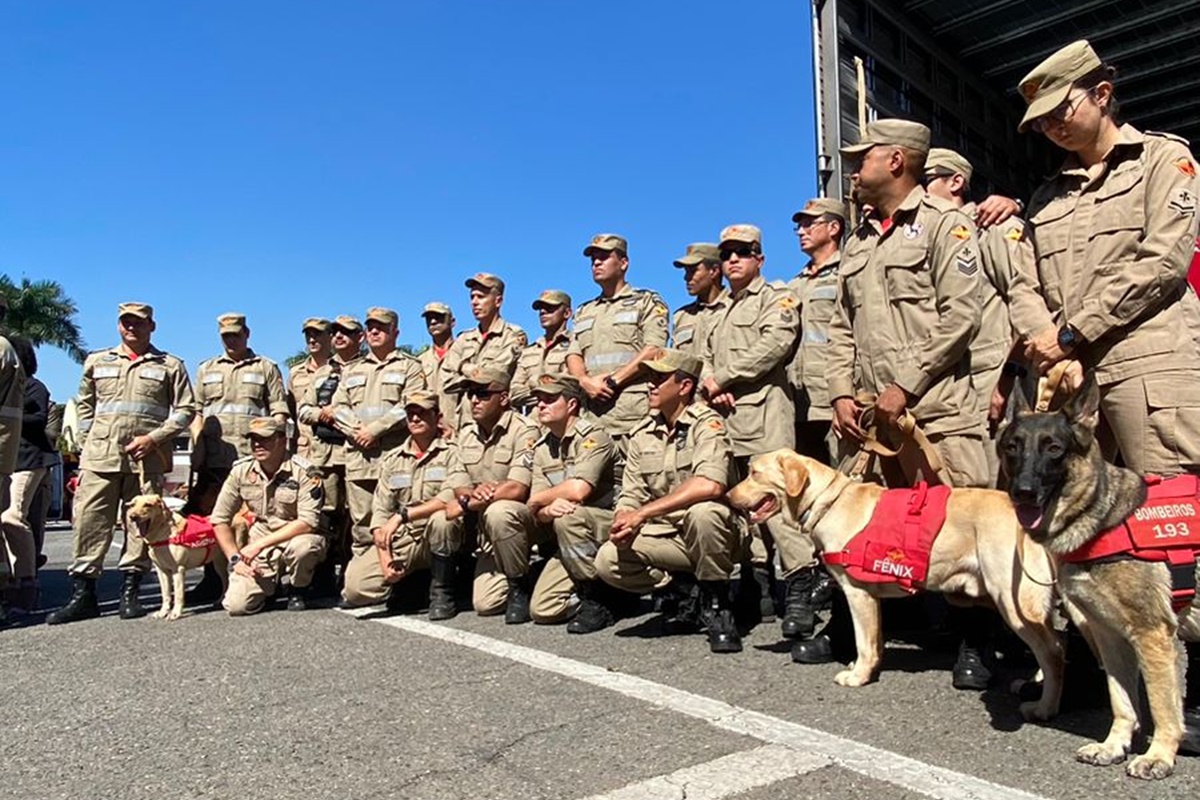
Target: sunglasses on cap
740,250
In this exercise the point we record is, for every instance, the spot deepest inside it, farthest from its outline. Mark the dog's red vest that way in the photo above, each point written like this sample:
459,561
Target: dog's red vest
1164,528
197,533
895,545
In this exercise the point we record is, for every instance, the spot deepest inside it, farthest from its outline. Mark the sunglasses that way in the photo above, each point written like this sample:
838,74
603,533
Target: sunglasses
808,222
480,393
1063,113
741,251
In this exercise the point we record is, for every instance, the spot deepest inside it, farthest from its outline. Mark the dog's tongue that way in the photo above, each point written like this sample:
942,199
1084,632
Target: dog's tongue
1029,516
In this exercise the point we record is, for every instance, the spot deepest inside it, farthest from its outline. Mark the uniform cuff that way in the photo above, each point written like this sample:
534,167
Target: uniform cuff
915,381
1091,327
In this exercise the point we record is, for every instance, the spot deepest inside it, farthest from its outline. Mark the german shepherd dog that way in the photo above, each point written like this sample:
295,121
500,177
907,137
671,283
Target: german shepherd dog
1065,494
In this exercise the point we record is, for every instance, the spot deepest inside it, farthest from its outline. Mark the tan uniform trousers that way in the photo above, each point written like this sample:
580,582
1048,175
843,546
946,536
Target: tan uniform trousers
296,559
412,548
705,542
99,496
553,599
360,495
1153,421
18,536
579,536
506,531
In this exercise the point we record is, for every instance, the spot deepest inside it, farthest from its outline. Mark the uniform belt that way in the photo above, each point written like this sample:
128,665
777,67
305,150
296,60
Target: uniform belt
238,409
132,407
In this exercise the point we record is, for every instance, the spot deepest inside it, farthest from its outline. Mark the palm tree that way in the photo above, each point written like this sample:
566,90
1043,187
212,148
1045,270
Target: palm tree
42,313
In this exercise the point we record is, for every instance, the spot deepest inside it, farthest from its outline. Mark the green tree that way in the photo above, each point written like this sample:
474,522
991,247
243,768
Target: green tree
42,313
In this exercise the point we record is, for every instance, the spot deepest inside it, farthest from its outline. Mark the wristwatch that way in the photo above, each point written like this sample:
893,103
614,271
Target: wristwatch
464,501
1068,338
611,383
234,560
404,515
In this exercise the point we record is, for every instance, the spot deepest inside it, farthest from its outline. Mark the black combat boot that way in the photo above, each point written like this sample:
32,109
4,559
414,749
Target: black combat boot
82,605
764,579
130,606
686,617
835,639
970,671
1190,744
973,625
299,597
207,591
442,603
723,636
516,607
593,614
799,618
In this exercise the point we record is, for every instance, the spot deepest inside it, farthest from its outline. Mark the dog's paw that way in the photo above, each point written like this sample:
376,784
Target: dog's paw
1102,754
174,615
849,677
1038,711
161,613
1149,768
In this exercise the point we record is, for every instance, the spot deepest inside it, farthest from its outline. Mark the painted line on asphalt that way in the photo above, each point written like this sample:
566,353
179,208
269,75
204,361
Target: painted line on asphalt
873,762
721,777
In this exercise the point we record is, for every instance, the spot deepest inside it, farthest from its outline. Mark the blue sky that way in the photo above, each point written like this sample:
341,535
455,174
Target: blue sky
288,159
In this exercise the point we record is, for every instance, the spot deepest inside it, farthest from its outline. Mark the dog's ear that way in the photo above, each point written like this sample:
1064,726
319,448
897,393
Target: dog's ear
1019,400
795,474
1082,410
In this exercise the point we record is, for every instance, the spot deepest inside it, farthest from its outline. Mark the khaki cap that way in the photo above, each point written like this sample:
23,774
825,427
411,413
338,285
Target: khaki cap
486,376
552,297
822,205
555,385
1047,86
608,242
898,132
266,427
486,281
942,161
134,309
384,315
436,308
231,323
347,323
670,360
750,234
700,253
421,399
316,324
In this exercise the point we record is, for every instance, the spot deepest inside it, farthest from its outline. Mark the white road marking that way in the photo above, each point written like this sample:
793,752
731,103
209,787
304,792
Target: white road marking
721,777
873,762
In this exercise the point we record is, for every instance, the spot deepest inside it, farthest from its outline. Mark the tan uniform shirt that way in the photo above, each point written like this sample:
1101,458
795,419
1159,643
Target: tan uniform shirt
586,452
660,459
12,405
752,346
431,362
322,385
1113,254
407,478
908,307
691,324
121,397
298,380
609,333
506,455
292,493
815,289
540,358
370,393
232,393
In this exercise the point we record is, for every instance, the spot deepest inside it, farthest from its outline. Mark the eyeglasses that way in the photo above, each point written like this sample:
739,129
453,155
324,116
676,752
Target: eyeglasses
741,251
1062,113
808,222
481,393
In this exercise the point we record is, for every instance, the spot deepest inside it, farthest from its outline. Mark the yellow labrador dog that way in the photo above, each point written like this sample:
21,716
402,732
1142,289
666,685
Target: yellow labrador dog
164,532
981,552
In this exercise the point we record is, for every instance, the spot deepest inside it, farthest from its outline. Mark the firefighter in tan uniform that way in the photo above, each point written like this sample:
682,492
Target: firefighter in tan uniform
12,402
284,494
691,324
546,356
488,485
670,516
819,227
409,527
613,333
572,492
327,442
439,323
494,342
133,401
318,345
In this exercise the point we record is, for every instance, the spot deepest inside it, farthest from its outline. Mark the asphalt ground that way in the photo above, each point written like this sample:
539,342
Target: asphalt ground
321,704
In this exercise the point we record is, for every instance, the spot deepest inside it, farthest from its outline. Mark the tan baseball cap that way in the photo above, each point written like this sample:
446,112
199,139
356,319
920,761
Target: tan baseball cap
670,360
384,315
699,253
231,323
749,234
319,324
1047,86
898,132
421,399
607,242
134,309
436,308
942,161
486,281
555,385
552,297
822,205
347,323
266,427
486,376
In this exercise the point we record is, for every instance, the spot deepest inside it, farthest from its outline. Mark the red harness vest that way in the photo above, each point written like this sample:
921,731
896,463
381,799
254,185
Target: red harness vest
1165,528
197,533
895,545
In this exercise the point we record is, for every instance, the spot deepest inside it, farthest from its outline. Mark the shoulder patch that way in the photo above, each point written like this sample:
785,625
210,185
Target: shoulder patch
588,443
1185,166
960,232
1014,234
716,424
967,262
787,301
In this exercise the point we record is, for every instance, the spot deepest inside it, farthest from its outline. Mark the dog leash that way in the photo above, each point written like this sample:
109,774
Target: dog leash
1021,560
1050,384
925,460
